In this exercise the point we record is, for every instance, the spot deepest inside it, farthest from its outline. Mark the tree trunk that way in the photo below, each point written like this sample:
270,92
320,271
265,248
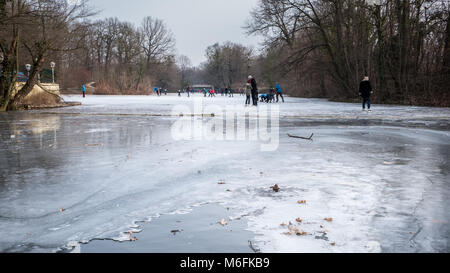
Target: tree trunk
446,59
9,75
17,101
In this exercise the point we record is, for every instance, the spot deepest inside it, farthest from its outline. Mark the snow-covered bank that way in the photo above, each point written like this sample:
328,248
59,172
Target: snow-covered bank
109,164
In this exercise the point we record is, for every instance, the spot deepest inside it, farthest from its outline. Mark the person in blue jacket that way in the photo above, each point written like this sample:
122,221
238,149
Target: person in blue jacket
263,97
279,91
83,89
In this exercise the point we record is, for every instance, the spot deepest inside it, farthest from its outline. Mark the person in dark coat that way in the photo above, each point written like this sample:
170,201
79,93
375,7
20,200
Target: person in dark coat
252,82
365,91
230,92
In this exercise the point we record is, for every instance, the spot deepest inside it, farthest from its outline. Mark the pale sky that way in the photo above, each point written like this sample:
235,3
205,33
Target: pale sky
196,24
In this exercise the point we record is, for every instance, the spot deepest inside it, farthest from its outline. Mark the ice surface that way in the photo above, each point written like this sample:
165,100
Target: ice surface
94,171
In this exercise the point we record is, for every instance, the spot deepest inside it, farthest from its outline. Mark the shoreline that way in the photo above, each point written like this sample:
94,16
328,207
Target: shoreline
61,105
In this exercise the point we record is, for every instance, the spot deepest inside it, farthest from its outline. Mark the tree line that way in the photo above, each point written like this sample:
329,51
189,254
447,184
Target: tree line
122,58
119,57
324,48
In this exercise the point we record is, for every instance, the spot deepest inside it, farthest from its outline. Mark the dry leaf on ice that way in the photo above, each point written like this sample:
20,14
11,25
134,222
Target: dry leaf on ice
223,222
302,202
333,243
300,233
328,219
288,233
283,224
299,220
62,210
275,188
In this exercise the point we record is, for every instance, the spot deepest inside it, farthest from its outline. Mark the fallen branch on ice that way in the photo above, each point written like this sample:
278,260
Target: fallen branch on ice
307,138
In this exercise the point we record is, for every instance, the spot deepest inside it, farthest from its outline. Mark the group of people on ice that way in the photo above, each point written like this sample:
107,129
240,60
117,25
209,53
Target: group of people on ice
252,92
272,96
159,91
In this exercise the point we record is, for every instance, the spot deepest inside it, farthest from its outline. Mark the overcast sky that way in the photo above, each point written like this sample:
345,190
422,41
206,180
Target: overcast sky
196,24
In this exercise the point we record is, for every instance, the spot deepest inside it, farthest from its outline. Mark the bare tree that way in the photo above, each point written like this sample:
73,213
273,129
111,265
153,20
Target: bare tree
184,65
157,41
228,64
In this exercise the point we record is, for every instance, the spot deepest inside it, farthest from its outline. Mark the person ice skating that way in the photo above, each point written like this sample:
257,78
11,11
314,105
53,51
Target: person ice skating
271,95
165,91
365,91
252,82
83,89
248,93
188,91
264,98
279,91
230,92
179,93
156,90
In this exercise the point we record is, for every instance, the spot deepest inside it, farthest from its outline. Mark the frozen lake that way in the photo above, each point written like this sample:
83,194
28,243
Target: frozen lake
71,175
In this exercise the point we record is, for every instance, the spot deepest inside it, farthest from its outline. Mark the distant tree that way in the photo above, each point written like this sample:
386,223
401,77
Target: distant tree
184,65
157,41
227,64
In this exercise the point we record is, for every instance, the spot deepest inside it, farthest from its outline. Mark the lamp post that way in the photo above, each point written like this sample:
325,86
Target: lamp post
52,65
28,68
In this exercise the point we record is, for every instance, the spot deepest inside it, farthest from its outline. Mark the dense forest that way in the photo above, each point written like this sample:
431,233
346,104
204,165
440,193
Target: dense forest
314,48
